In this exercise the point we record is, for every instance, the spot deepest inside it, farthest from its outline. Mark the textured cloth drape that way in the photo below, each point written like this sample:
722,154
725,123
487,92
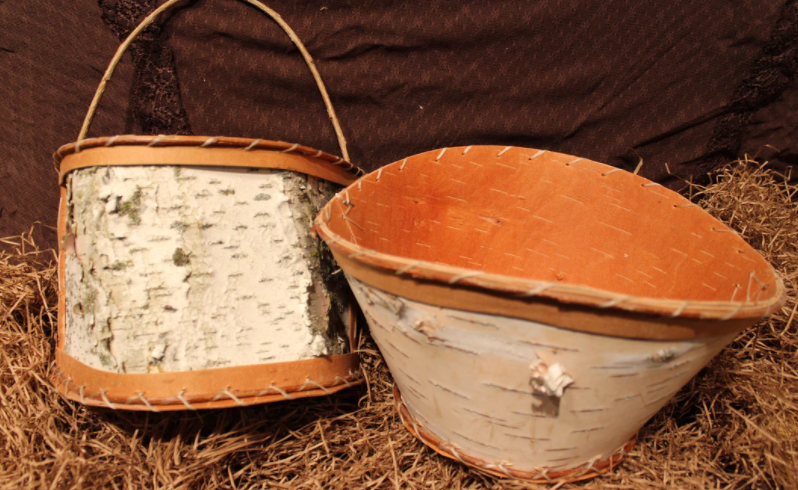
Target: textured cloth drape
687,83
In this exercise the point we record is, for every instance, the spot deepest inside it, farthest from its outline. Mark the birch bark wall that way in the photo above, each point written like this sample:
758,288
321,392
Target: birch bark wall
186,268
529,395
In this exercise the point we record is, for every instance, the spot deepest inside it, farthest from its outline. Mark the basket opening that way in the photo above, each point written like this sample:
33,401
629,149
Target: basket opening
550,217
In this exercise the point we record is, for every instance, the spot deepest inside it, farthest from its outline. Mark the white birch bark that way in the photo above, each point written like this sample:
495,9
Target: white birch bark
507,390
185,268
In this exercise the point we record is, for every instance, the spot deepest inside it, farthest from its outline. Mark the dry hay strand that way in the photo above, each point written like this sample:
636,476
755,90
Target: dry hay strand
734,426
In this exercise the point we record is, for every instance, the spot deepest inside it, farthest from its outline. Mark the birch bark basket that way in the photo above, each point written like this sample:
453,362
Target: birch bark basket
536,309
189,276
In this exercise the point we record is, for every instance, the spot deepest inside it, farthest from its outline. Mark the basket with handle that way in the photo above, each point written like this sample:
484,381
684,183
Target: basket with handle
188,276
536,309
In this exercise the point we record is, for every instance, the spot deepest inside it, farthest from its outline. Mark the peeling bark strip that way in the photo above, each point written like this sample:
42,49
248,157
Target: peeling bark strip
186,268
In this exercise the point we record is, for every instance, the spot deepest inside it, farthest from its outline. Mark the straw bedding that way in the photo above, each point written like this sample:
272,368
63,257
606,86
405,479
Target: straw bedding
734,426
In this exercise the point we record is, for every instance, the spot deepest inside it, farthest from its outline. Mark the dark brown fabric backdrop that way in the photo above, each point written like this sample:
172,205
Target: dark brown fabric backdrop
688,83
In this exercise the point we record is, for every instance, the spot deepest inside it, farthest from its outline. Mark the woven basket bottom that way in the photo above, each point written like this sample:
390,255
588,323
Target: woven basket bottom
504,470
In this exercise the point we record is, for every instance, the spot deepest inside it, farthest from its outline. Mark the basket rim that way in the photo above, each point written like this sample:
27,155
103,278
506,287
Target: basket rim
210,142
456,277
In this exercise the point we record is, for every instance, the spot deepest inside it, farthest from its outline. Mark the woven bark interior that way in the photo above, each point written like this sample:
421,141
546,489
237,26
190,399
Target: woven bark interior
553,217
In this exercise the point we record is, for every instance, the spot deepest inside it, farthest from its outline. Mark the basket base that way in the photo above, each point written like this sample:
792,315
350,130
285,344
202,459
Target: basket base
206,388
504,470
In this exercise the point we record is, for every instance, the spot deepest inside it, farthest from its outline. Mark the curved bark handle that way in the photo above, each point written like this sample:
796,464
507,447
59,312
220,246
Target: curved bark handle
271,13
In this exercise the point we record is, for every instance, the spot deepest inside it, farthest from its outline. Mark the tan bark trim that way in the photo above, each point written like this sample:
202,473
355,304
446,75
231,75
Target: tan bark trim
62,216
246,144
577,317
207,388
203,157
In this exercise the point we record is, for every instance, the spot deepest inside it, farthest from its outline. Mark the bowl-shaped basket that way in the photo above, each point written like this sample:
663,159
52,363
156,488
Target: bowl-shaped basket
534,308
